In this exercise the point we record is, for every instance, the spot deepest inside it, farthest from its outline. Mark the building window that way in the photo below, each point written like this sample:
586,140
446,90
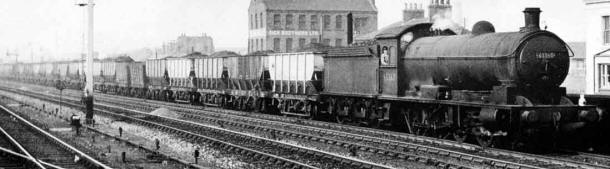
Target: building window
339,22
289,22
339,42
251,21
360,24
288,44
301,43
261,20
276,21
314,22
604,76
276,44
606,29
302,22
255,21
262,44
250,45
314,40
256,48
259,43
326,42
326,22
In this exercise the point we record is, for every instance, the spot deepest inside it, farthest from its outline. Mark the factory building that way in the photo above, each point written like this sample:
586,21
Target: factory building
288,25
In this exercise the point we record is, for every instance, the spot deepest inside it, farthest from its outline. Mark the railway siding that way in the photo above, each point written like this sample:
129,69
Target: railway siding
43,145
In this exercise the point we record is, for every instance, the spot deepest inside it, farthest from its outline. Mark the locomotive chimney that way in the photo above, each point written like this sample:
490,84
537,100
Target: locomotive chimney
532,19
350,28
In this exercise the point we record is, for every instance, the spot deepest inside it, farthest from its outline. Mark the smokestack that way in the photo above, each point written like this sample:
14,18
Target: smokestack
350,28
532,19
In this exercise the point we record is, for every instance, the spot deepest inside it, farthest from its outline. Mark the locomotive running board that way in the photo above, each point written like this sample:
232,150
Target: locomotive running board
479,104
295,114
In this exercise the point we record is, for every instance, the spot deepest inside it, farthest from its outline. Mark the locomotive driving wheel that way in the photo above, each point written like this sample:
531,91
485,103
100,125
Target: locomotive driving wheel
483,136
340,119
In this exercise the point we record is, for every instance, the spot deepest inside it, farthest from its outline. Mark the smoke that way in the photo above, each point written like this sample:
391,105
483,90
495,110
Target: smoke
442,21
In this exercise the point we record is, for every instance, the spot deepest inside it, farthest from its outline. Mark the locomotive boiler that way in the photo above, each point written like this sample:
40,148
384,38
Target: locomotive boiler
531,63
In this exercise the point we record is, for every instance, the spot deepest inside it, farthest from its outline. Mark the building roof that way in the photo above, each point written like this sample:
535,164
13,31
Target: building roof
392,30
122,58
320,5
595,1
579,49
195,54
224,53
352,51
314,47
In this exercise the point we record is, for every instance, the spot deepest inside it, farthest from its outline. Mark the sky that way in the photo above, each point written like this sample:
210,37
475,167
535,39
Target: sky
54,28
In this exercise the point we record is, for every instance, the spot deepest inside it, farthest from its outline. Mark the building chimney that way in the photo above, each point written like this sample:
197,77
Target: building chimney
350,28
412,11
532,19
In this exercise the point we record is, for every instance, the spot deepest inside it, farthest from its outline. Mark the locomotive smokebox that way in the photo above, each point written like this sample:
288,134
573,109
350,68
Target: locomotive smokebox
532,19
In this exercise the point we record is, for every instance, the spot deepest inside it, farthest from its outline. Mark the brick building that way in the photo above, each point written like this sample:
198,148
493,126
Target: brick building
287,25
184,45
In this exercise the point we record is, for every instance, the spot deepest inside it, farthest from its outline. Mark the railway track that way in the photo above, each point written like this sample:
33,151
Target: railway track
98,143
275,152
457,150
471,153
37,148
372,140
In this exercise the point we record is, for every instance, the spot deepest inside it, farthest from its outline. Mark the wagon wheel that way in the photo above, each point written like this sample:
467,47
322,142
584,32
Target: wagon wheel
339,119
405,114
460,135
260,105
313,111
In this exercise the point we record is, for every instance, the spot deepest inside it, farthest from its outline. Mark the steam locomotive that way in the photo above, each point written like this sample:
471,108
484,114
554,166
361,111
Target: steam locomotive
486,87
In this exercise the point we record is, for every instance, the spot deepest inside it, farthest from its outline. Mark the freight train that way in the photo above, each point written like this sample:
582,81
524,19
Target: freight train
500,89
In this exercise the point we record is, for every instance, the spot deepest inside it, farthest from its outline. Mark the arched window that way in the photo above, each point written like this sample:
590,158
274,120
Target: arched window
261,20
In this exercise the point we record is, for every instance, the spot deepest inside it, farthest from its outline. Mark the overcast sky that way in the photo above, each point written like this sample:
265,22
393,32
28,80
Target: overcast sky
56,26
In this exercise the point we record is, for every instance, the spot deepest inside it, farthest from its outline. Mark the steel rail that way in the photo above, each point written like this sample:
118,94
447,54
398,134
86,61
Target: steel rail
21,148
58,141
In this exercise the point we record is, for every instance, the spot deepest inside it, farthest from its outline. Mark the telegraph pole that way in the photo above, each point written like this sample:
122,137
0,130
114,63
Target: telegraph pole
88,96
